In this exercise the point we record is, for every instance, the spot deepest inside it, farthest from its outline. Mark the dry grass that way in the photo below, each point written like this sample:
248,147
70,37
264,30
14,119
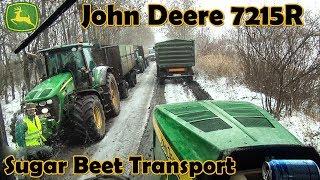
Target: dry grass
218,65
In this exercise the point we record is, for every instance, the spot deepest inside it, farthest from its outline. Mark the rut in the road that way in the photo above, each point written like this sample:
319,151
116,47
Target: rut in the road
198,92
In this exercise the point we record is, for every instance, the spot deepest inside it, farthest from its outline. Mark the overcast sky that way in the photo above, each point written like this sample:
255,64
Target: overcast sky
224,6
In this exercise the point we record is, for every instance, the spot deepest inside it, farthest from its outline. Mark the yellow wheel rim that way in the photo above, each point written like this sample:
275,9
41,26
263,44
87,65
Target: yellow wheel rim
97,117
114,95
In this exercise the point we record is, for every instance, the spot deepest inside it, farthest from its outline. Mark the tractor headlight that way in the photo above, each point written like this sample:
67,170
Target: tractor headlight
49,101
43,103
45,110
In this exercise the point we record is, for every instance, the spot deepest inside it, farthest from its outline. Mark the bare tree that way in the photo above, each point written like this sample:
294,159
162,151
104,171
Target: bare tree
281,62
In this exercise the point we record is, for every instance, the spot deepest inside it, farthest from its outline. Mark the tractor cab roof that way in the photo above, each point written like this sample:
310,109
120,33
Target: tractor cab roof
68,46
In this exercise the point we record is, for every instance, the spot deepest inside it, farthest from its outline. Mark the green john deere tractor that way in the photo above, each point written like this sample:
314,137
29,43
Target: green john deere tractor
76,97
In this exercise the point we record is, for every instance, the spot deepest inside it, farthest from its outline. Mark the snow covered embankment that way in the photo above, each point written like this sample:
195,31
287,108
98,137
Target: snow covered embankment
307,130
8,111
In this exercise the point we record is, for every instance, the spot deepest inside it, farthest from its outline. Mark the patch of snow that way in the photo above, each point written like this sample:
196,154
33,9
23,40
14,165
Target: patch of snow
304,128
221,89
124,136
175,93
307,130
8,111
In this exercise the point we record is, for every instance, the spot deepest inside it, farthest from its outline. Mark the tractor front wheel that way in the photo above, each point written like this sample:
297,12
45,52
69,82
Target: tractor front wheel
87,123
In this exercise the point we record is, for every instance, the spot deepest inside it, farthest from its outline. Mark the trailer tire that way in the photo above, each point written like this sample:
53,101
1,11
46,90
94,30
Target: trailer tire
135,77
189,79
161,80
124,93
87,123
141,68
111,96
132,79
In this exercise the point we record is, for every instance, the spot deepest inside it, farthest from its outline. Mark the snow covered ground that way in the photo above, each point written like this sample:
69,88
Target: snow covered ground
8,111
307,130
177,93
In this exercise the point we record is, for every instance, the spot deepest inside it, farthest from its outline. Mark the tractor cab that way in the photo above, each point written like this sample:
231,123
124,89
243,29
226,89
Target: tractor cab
75,58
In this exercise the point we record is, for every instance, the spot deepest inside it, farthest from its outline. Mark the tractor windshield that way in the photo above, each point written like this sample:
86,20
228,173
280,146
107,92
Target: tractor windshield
63,60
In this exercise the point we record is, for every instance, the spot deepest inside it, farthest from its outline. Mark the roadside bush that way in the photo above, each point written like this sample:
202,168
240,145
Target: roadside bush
217,65
284,64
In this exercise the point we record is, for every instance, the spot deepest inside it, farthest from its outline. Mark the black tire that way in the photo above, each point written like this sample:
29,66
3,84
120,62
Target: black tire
112,96
124,92
134,76
132,79
141,68
161,80
189,79
87,123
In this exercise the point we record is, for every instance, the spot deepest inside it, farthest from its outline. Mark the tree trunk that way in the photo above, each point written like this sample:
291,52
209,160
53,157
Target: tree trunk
45,32
12,87
5,90
26,73
2,128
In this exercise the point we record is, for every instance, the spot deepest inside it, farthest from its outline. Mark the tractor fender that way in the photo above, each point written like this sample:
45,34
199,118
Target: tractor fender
89,92
100,75
70,99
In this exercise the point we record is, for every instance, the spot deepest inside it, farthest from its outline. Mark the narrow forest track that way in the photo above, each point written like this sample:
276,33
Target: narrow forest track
146,145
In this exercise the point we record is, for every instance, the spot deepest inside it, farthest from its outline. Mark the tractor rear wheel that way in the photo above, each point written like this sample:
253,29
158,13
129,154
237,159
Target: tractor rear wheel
87,122
112,96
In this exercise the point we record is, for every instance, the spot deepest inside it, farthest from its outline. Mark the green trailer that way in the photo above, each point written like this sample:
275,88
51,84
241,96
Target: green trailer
213,130
122,60
175,58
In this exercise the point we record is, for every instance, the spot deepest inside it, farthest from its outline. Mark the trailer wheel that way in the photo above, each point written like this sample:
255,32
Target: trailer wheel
161,80
189,79
141,68
124,93
87,122
135,77
112,96
132,79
